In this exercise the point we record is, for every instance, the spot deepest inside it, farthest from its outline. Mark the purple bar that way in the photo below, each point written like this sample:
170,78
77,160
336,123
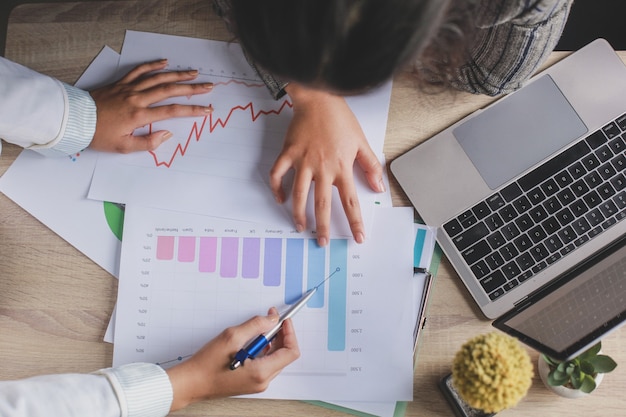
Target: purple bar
251,257
186,248
228,260
208,254
271,264
165,248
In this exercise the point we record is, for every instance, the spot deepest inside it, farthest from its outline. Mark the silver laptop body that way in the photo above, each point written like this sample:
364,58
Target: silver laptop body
474,163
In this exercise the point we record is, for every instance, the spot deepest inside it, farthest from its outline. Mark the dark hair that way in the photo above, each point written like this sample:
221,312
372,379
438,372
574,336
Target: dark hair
343,45
449,49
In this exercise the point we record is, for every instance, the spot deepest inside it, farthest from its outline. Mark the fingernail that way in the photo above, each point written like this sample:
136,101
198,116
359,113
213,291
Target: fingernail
299,228
208,109
381,186
322,241
359,237
192,72
163,61
207,86
279,200
167,135
273,318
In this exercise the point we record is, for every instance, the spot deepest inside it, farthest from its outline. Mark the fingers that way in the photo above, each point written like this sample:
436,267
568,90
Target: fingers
369,163
166,85
323,198
285,347
300,194
156,87
352,208
150,80
169,111
257,325
144,143
143,69
278,171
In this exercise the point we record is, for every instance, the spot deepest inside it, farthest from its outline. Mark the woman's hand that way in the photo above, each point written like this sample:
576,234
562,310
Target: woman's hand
126,105
322,143
207,374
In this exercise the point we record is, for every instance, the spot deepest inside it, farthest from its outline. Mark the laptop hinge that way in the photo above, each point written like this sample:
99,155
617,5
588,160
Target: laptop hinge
520,301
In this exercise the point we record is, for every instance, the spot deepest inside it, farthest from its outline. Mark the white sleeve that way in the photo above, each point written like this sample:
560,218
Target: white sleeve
42,113
136,390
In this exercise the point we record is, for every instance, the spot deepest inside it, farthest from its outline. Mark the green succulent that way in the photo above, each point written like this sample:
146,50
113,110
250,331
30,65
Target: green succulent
580,372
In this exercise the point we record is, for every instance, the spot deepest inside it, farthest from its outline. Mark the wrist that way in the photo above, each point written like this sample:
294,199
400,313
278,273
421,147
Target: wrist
303,94
183,384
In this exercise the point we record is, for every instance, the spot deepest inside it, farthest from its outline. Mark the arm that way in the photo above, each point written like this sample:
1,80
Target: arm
512,40
41,113
132,390
323,141
146,390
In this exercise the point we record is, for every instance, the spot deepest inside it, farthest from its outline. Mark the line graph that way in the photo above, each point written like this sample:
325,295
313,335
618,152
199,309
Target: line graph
198,127
219,165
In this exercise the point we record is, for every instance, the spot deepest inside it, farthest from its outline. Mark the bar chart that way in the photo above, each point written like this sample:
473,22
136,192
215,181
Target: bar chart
301,262
184,278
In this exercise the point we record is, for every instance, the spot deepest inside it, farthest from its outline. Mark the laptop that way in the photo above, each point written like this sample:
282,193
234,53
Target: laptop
529,199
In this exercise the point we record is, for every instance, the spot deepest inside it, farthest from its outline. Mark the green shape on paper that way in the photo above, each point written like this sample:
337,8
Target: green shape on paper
114,214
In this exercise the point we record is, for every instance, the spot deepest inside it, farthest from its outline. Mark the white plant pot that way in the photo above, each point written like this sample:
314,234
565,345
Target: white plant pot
543,368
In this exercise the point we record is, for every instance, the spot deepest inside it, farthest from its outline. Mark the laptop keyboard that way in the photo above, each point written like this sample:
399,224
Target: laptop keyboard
533,222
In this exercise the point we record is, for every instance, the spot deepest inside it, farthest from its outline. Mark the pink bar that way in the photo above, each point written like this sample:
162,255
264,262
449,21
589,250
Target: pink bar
208,254
165,248
186,248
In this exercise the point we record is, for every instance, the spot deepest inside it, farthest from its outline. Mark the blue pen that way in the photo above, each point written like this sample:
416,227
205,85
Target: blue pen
255,347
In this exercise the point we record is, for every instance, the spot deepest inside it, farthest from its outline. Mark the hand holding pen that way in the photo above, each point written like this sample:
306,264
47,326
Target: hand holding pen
256,346
206,375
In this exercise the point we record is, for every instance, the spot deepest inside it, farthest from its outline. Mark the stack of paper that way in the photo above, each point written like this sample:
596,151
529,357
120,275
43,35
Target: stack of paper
205,246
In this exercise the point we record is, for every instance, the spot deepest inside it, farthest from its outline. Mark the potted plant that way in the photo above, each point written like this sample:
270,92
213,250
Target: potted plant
491,372
578,376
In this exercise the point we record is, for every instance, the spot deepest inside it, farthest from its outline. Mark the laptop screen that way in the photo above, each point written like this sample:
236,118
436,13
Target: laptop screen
580,307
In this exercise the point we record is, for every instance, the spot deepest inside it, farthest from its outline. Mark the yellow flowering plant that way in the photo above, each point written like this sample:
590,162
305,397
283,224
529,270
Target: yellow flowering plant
492,372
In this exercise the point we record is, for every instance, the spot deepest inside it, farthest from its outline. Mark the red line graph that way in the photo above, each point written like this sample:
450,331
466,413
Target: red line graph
198,127
235,81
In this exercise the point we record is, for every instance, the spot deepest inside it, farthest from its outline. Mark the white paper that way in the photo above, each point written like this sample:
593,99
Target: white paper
167,309
219,165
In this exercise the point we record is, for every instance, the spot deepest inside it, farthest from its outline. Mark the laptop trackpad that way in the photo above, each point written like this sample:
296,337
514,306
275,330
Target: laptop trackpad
519,131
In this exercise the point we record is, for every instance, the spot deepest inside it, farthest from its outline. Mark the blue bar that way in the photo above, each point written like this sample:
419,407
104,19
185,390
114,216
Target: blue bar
337,294
294,269
316,272
418,246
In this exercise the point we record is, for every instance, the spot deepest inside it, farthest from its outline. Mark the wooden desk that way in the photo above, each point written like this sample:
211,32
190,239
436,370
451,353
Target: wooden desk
55,303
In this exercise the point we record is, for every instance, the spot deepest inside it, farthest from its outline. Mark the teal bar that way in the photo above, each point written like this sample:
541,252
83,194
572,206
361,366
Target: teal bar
418,247
337,294
316,272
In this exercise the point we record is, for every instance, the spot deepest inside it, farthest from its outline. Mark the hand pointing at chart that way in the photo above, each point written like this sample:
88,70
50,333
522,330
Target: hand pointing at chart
126,105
